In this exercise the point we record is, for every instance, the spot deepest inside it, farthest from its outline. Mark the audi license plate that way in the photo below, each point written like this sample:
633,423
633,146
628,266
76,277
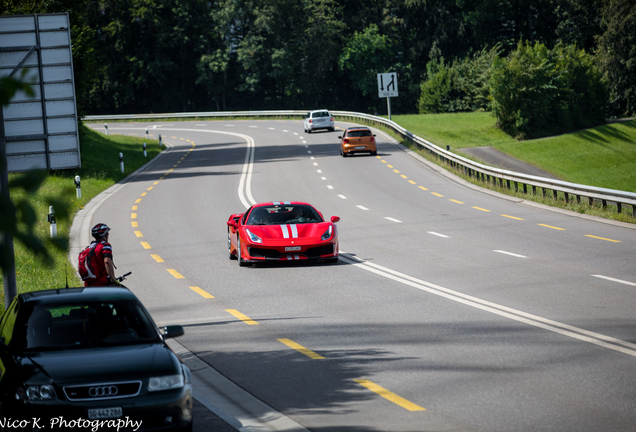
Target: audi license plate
292,248
360,147
105,413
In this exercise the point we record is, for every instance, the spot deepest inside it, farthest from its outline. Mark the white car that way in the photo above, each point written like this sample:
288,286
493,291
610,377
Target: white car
318,119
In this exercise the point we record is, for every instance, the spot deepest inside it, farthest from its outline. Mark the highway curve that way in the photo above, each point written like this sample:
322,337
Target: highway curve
452,308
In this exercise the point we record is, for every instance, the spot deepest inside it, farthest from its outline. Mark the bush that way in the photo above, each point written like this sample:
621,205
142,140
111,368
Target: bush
459,87
538,92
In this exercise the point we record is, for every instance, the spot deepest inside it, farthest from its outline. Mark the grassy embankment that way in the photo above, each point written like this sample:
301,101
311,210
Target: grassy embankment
100,170
604,156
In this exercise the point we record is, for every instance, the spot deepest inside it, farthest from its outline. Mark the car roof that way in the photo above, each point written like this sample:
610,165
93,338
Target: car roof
63,295
358,127
265,204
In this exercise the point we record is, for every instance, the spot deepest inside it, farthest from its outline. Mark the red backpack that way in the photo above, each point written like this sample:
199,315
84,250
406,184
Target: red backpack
87,266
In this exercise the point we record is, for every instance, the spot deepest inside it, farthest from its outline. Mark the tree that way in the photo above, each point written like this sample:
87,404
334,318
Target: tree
616,55
536,91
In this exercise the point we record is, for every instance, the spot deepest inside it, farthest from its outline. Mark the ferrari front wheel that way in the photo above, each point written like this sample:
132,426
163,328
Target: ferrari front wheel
229,246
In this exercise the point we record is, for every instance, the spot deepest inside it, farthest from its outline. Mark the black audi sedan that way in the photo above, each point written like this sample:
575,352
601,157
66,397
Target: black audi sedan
90,359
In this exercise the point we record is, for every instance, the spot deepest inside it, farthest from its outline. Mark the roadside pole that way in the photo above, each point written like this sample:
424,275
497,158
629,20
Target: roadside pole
8,273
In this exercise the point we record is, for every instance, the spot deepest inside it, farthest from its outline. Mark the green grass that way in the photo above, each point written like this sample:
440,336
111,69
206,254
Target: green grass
604,156
101,169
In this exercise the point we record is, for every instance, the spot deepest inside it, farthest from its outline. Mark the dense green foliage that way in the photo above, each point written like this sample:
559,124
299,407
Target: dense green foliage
460,86
134,56
537,91
617,54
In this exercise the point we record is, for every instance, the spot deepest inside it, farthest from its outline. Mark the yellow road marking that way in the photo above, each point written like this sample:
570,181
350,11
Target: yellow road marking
138,201
512,217
482,209
396,171
403,176
150,188
133,215
175,273
182,139
174,166
455,201
602,238
244,318
200,291
436,194
145,245
412,182
134,224
378,157
302,349
157,258
174,137
156,183
422,187
171,169
144,194
134,207
138,234
161,178
390,166
383,161
398,400
550,226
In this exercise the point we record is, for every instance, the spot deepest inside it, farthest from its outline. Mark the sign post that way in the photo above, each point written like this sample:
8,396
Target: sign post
388,88
38,133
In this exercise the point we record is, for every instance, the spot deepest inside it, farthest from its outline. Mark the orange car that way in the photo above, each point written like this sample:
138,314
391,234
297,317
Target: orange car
357,140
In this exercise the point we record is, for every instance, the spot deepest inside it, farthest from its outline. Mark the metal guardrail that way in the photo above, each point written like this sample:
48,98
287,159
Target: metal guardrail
470,168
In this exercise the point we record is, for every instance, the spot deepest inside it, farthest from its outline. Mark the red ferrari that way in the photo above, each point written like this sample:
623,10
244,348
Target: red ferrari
282,231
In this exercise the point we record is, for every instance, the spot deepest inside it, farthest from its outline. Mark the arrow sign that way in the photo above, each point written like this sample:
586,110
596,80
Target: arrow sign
387,85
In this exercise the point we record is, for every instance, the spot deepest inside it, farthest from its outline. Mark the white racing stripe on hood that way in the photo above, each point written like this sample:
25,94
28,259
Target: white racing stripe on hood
294,230
284,230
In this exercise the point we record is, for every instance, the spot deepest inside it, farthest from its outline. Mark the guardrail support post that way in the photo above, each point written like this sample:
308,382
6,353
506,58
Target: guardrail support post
507,184
556,196
525,188
534,190
590,201
619,207
634,211
545,192
578,199
604,204
567,198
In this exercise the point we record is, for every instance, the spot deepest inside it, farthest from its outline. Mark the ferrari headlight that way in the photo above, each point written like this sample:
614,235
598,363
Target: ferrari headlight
327,234
253,237
35,393
167,382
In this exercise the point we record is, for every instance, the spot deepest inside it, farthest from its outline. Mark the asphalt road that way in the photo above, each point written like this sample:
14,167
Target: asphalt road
451,309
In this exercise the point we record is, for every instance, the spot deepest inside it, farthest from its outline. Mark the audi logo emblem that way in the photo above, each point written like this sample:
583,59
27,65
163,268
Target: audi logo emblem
103,391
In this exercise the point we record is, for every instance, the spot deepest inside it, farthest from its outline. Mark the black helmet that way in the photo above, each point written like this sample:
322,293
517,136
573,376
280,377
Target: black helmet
100,230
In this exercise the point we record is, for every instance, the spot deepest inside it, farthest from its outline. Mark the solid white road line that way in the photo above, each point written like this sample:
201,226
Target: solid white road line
362,207
516,315
342,196
615,280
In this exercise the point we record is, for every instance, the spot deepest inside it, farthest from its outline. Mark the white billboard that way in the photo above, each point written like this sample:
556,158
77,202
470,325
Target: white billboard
41,132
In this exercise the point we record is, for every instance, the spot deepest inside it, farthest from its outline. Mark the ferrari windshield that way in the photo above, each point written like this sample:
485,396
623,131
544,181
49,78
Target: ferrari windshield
283,214
89,324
